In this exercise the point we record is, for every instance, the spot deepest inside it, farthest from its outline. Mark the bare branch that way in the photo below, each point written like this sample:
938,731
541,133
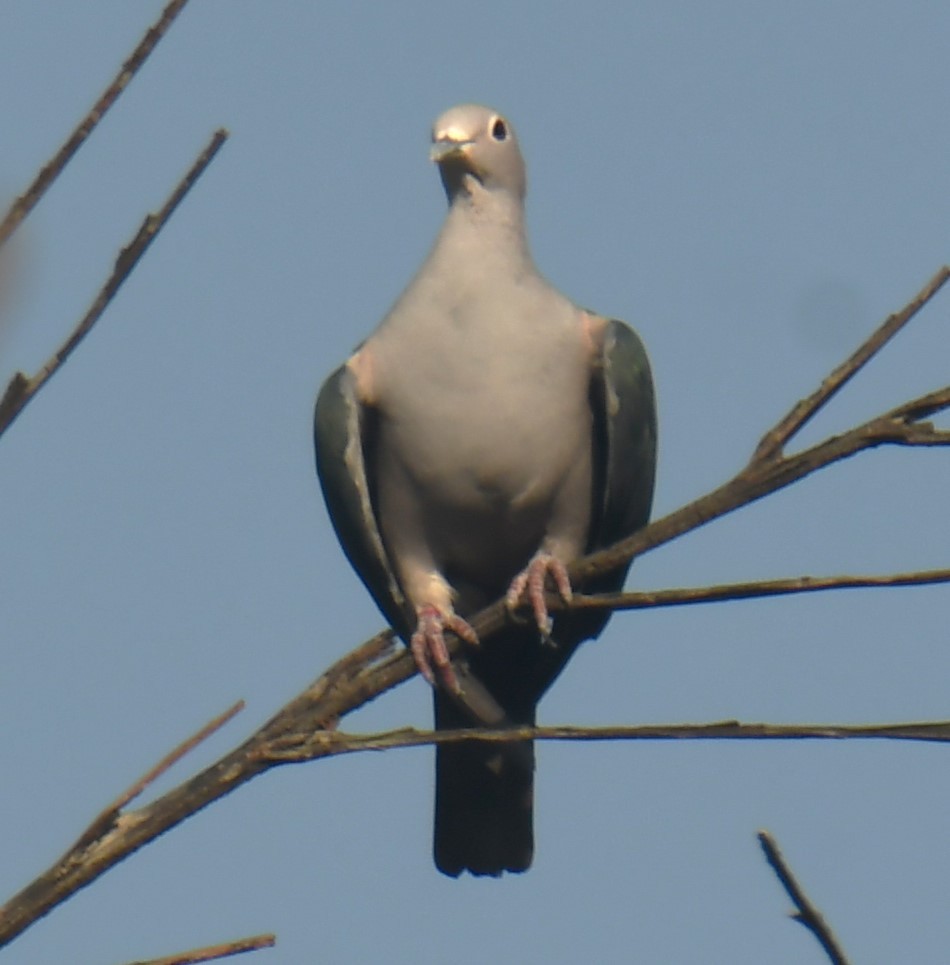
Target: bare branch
108,816
51,171
22,388
306,726
297,748
762,478
172,758
807,914
921,407
775,439
925,435
27,906
645,599
112,837
214,952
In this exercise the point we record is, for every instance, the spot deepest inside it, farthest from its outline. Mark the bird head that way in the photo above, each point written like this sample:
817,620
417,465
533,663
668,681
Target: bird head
471,141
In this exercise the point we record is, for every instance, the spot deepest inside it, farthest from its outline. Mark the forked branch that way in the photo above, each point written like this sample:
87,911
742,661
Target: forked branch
806,913
776,438
21,388
306,727
297,748
52,170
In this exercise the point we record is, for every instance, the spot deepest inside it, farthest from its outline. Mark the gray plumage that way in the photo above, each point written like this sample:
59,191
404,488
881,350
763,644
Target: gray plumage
488,433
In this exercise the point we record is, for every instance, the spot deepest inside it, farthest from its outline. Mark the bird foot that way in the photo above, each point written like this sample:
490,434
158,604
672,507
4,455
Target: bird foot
528,586
428,645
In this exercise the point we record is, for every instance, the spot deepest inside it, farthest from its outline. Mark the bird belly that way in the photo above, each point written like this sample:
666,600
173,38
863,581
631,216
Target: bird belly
481,486
483,419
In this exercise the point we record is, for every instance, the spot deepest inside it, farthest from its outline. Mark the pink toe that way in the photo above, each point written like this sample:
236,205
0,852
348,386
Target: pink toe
561,580
428,647
530,584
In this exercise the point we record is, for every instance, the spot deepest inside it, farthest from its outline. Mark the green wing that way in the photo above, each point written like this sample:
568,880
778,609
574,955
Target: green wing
624,409
344,435
343,431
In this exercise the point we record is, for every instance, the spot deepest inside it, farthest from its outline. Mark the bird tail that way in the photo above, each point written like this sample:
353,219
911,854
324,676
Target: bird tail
483,801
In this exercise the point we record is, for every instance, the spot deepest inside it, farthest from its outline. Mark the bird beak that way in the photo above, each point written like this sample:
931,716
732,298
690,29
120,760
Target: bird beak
448,146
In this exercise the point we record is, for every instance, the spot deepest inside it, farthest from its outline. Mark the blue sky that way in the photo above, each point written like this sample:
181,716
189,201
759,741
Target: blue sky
753,186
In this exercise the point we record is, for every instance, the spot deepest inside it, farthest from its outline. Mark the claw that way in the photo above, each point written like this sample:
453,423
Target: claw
428,645
530,582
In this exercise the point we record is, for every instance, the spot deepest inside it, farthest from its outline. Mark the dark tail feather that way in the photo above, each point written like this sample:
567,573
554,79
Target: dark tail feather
483,802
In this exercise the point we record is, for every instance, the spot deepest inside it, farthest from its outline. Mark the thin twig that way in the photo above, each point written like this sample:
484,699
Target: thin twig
22,388
50,171
921,407
807,914
753,483
214,952
110,813
298,748
685,596
171,759
775,439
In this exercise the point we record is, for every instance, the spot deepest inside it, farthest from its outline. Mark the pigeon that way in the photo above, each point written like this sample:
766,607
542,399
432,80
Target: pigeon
488,433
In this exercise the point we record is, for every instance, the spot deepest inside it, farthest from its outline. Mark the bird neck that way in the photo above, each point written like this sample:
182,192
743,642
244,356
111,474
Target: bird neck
491,221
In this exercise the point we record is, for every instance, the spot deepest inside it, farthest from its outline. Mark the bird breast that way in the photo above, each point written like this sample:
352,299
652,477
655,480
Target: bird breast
483,431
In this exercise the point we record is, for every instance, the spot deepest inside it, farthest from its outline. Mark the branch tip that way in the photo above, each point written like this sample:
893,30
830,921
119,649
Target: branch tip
774,441
16,398
806,913
24,204
106,819
213,953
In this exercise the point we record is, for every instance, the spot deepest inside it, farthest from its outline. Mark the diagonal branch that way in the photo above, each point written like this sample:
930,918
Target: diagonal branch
925,405
761,478
309,721
42,895
807,914
213,953
22,388
775,439
51,171
109,815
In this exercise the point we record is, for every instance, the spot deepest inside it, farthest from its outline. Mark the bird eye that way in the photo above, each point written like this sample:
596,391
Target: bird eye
499,130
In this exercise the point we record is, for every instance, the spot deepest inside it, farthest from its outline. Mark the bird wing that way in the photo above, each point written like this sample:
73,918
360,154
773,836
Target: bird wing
343,436
624,408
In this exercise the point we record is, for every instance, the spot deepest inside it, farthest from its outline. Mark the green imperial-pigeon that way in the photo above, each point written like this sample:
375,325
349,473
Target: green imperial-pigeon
488,433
